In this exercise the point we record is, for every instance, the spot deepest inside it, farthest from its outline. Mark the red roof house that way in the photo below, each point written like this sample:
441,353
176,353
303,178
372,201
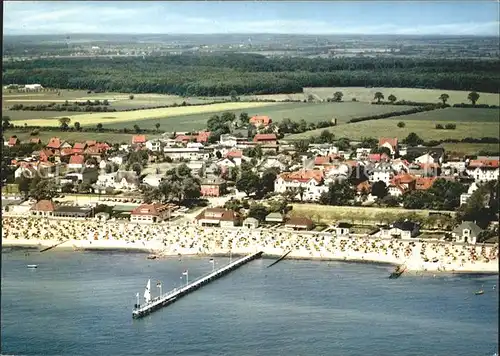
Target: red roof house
258,121
265,138
390,143
203,136
76,161
138,139
150,213
43,208
55,143
13,141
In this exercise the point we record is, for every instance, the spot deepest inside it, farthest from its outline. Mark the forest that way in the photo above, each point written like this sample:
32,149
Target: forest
221,74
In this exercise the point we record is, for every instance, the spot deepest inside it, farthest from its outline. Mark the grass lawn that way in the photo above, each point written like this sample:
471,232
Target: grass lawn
423,124
28,116
359,215
76,136
310,112
130,118
470,148
419,95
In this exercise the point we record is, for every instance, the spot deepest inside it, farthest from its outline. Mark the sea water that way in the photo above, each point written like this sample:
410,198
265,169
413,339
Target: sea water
80,303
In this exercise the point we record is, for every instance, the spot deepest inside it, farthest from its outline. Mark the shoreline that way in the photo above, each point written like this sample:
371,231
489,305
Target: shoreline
27,244
167,240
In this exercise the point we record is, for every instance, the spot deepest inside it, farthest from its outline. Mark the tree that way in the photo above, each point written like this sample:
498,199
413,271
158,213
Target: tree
180,185
301,146
248,182
258,211
390,201
157,126
310,98
482,205
267,181
77,126
337,96
244,118
382,150
439,127
401,124
379,189
473,97
413,139
326,137
417,199
5,122
343,144
392,98
99,127
444,98
234,95
42,189
64,122
378,96
338,194
446,194
137,128
24,184
131,96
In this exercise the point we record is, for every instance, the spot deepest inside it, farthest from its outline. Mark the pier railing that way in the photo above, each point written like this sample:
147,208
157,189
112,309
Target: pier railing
179,290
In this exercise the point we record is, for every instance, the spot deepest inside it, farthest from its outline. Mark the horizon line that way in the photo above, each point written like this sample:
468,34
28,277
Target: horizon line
251,34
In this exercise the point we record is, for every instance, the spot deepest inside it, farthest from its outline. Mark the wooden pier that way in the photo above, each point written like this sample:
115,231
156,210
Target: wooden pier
175,294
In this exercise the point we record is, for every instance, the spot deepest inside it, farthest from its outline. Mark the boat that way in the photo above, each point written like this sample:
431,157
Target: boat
398,272
479,292
152,257
32,266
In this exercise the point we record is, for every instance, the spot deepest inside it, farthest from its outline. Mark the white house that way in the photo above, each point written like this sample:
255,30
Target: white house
483,170
153,145
453,168
383,171
153,180
197,145
186,153
150,213
26,171
466,232
309,184
465,196
228,140
323,149
117,159
362,153
121,180
426,158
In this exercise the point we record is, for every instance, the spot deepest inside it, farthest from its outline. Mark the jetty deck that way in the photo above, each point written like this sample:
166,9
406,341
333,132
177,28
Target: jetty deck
177,293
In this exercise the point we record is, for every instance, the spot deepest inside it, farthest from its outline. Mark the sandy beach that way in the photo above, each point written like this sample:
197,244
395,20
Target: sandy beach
190,239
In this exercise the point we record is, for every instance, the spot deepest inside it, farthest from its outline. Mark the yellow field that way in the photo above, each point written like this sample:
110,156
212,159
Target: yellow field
419,95
118,117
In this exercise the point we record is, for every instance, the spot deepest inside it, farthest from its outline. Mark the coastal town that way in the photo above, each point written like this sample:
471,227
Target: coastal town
190,194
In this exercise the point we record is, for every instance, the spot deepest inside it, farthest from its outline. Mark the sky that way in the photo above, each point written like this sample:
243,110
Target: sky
206,17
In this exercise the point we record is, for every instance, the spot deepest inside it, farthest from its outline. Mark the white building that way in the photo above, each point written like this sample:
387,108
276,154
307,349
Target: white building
464,197
153,180
426,158
362,153
153,145
309,184
383,171
228,140
186,153
150,213
483,171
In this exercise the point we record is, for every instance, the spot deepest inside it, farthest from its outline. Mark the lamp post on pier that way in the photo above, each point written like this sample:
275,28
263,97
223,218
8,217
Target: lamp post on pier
212,261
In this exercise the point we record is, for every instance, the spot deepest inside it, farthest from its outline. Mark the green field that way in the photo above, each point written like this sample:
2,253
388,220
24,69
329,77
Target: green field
484,124
359,215
109,137
410,94
461,148
310,112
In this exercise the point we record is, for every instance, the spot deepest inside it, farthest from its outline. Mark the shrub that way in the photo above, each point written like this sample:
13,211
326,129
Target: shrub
401,124
439,127
450,126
